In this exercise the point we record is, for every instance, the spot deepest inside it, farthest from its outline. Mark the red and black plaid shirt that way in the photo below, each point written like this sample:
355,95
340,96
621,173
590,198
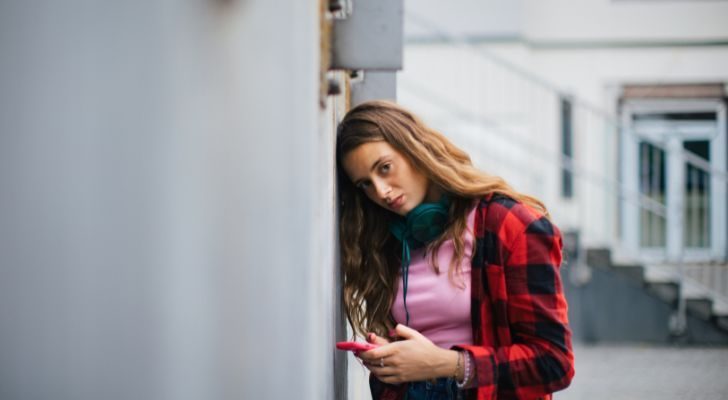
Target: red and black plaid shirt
522,340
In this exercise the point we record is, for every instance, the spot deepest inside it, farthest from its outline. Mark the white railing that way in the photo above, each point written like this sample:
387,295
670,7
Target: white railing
477,91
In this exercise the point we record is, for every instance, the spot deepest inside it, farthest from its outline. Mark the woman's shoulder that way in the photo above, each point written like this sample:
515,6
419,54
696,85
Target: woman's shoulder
507,216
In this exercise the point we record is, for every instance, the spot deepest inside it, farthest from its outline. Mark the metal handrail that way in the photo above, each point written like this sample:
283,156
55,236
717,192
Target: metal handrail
549,156
452,39
615,187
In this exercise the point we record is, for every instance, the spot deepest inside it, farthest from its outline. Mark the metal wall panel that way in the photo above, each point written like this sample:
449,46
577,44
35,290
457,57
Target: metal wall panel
374,85
167,202
370,37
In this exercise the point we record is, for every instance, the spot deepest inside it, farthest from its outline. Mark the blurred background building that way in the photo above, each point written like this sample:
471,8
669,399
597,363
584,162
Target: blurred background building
168,194
613,113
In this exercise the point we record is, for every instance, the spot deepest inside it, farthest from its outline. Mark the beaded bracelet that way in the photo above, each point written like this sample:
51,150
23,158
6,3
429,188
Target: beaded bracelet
466,375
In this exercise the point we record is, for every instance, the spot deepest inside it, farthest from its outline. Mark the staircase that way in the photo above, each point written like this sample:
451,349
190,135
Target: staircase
500,111
625,303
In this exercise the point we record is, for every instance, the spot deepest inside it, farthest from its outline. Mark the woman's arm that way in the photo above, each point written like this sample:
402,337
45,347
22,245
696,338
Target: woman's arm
540,359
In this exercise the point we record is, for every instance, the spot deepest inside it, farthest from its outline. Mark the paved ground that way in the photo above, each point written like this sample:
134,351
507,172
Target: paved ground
629,372
648,372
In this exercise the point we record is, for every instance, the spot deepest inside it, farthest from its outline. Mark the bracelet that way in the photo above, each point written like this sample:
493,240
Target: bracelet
466,375
458,368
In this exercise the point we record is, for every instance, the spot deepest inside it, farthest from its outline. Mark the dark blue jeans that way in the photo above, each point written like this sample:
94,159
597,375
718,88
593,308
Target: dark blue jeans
441,389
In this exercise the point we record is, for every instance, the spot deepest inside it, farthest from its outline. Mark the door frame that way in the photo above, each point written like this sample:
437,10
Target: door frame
675,166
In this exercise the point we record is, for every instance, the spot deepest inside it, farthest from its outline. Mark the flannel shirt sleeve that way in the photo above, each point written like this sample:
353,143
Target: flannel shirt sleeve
540,359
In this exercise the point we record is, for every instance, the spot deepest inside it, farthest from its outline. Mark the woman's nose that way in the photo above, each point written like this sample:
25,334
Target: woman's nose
383,190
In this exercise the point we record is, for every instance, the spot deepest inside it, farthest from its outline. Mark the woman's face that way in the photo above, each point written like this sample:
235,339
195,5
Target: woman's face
388,178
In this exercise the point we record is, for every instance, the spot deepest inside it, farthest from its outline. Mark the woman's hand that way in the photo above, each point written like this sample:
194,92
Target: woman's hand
413,359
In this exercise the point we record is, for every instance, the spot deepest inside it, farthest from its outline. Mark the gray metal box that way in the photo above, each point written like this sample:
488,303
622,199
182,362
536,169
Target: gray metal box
371,37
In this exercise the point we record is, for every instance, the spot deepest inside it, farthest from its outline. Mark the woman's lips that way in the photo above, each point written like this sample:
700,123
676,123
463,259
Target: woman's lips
397,203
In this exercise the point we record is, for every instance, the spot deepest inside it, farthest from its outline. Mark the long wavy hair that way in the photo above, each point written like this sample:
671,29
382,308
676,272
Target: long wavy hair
369,253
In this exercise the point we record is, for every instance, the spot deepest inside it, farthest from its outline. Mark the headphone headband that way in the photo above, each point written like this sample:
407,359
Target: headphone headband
423,224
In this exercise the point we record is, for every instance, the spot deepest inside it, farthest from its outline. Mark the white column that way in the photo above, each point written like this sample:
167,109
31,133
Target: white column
675,180
630,187
718,198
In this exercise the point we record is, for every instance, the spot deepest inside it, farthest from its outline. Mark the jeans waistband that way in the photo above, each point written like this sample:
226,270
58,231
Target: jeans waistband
438,389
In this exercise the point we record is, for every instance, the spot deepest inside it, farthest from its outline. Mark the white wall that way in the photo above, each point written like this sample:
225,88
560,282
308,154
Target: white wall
568,20
596,75
521,138
624,20
167,201
466,17
506,126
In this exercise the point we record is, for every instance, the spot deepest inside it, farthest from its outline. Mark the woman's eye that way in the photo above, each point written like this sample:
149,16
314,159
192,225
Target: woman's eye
364,185
385,168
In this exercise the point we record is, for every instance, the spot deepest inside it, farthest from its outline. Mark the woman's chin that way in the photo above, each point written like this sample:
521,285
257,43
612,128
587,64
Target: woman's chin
403,211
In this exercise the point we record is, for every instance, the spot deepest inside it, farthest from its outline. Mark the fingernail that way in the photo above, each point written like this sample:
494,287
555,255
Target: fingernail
370,336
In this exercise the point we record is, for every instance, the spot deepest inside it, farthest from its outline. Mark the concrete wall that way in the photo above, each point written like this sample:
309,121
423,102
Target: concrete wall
167,208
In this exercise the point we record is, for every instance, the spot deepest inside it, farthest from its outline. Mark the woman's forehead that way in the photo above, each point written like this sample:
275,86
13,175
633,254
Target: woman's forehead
359,161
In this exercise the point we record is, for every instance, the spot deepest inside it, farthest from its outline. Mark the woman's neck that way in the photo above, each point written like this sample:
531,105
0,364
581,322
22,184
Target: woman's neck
434,193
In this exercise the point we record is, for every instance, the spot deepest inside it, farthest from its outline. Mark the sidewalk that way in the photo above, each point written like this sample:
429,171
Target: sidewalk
647,372
627,372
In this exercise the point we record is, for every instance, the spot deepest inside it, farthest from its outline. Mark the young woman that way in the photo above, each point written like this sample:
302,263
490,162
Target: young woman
453,273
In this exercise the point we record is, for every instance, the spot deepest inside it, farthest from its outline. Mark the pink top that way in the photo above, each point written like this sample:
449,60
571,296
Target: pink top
438,309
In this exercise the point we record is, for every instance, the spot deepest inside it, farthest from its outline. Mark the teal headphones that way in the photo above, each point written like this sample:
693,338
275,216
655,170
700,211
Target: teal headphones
422,225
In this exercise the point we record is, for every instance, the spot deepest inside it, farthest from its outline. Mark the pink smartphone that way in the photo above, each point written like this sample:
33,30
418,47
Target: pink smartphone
355,346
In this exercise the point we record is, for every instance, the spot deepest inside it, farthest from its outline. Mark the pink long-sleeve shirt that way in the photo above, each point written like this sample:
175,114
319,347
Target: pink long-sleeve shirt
439,309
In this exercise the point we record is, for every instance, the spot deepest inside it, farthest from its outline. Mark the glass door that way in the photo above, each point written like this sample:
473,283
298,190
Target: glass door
672,161
652,171
697,192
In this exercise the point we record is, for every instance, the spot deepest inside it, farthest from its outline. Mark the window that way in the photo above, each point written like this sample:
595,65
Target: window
567,149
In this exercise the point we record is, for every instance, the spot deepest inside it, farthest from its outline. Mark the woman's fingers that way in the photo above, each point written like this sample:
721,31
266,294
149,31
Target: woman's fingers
382,351
378,340
392,374
386,372
407,332
382,371
379,364
373,338
374,360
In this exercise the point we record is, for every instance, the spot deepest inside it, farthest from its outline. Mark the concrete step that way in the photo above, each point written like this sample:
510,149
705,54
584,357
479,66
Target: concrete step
701,299
664,282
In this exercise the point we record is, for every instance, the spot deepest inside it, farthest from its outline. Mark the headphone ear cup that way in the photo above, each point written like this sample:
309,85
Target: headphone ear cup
428,223
423,224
